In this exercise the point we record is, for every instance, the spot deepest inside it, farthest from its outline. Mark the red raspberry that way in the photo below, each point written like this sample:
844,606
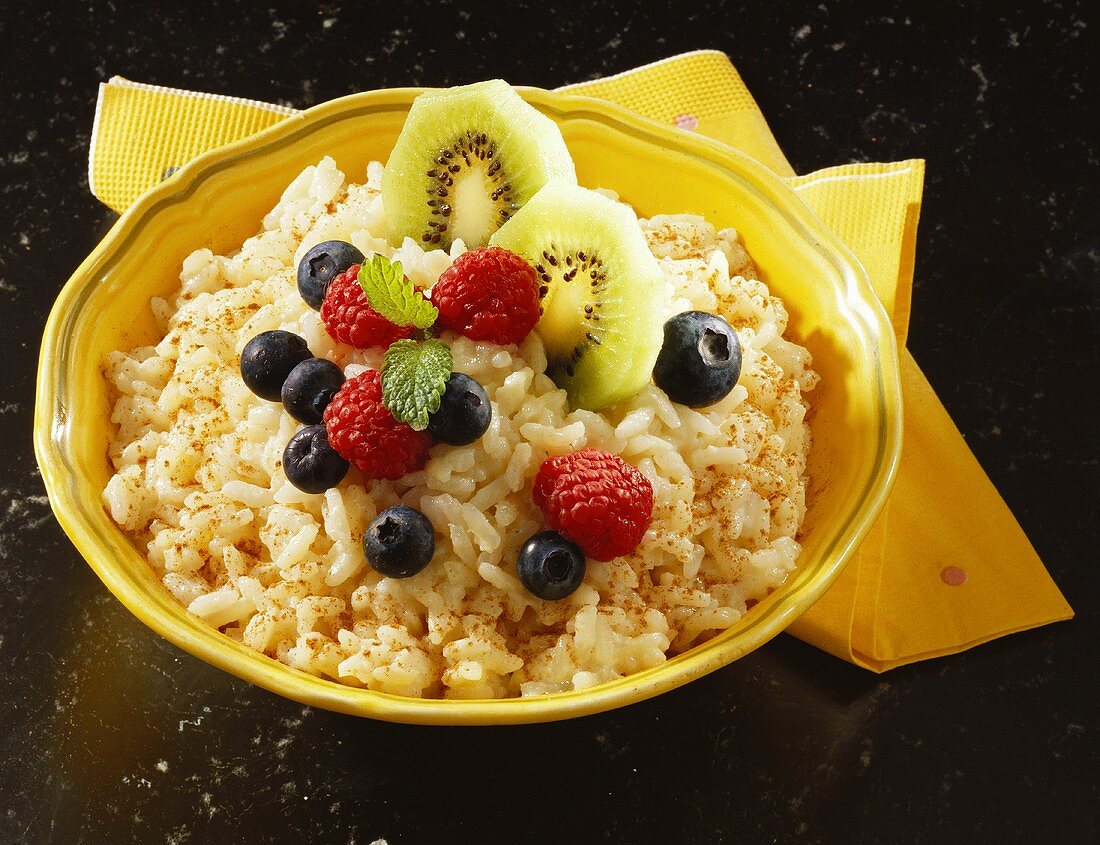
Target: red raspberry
349,317
488,294
364,431
595,499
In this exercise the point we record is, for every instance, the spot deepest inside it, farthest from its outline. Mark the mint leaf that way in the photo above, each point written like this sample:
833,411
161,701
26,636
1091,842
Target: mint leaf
414,376
393,296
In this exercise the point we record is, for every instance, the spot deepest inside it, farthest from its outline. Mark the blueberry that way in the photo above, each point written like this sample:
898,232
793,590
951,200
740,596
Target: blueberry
320,265
267,360
310,463
310,387
464,412
399,542
700,359
550,566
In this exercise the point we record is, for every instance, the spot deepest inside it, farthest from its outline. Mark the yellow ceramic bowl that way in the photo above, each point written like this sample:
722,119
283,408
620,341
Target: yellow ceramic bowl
217,201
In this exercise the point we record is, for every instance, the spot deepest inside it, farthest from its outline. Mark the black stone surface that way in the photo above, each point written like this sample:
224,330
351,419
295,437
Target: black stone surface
110,734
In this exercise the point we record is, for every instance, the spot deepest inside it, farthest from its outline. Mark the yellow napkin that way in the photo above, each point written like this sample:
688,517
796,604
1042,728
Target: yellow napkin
919,586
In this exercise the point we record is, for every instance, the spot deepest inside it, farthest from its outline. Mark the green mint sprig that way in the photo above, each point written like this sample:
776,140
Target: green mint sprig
414,376
393,296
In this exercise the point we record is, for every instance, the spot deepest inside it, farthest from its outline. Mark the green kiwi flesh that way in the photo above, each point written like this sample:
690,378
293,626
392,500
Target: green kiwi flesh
467,159
604,298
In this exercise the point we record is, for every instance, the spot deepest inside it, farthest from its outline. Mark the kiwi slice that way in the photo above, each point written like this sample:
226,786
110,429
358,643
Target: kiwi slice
466,160
603,293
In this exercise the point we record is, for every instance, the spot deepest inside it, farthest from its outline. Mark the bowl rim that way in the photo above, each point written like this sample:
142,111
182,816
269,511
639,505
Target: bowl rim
50,423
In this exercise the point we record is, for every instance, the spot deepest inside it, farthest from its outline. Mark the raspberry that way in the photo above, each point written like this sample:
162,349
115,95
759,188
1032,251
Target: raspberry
595,499
488,294
349,317
362,430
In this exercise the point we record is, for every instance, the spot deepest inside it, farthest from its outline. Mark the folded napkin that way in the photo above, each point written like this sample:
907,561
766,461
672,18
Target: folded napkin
919,586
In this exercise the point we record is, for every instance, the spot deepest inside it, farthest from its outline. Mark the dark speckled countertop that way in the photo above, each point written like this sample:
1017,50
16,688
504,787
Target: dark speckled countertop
110,734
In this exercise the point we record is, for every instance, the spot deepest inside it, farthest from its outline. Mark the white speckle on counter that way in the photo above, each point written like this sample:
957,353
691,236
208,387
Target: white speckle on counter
178,836
982,80
865,756
23,513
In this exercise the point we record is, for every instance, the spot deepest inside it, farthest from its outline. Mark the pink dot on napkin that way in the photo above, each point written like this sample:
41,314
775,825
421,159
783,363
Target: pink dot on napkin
953,576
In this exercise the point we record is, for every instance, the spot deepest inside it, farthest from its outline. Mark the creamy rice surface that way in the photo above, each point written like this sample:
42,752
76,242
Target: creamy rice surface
199,487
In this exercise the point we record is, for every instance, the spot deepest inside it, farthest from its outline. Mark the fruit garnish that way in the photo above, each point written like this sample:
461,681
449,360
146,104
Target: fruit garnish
700,359
399,542
393,296
464,412
603,293
310,462
364,431
309,388
267,360
466,160
414,377
595,499
550,566
349,317
488,294
320,265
